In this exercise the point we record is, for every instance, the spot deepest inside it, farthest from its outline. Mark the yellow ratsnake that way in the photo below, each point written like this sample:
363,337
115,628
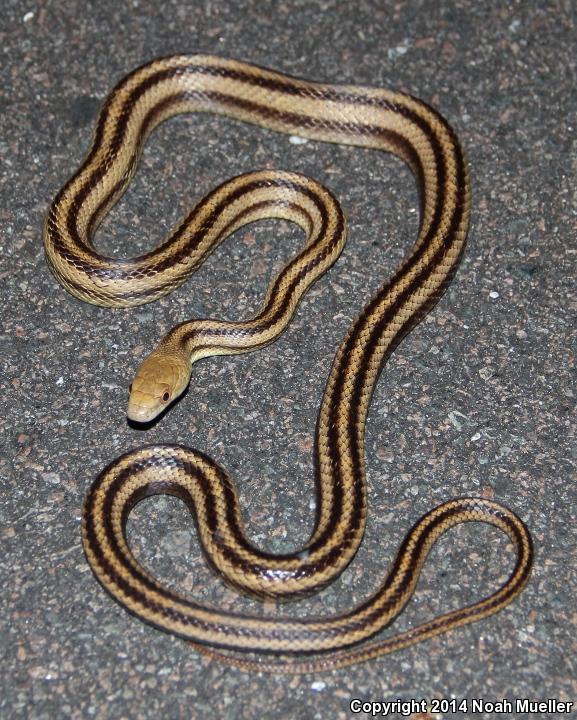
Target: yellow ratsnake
361,116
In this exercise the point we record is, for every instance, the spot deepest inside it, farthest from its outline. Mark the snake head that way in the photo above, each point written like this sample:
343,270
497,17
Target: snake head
159,381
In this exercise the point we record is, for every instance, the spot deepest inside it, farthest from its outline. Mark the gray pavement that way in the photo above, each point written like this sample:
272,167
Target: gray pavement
478,400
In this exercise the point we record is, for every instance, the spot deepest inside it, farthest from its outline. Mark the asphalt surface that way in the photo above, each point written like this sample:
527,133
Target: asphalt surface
479,400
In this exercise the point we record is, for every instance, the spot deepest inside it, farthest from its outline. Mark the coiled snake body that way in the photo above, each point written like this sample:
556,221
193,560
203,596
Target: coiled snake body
361,116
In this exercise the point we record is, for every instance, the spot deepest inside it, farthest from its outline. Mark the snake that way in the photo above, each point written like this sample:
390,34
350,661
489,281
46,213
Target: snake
361,116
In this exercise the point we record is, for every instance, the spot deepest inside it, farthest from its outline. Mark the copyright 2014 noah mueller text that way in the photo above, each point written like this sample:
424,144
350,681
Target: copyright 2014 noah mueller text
455,705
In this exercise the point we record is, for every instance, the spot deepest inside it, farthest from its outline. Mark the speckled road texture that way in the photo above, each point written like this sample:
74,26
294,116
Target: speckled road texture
478,400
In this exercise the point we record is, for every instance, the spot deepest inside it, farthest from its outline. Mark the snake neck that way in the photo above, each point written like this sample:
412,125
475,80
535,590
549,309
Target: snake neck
197,339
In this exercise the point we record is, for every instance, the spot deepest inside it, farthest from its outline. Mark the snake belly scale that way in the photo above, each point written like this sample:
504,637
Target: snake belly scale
352,115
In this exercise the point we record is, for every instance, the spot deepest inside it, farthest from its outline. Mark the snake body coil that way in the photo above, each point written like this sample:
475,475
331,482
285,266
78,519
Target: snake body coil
361,116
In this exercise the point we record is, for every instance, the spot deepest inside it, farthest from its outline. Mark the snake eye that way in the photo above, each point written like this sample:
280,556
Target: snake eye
166,397
130,388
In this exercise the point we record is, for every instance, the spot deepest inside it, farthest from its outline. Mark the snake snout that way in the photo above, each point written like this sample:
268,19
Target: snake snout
140,412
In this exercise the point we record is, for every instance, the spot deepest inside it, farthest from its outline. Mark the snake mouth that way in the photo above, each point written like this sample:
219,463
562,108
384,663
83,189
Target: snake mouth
140,416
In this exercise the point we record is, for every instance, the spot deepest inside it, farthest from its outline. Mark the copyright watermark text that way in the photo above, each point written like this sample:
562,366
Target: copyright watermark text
455,705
